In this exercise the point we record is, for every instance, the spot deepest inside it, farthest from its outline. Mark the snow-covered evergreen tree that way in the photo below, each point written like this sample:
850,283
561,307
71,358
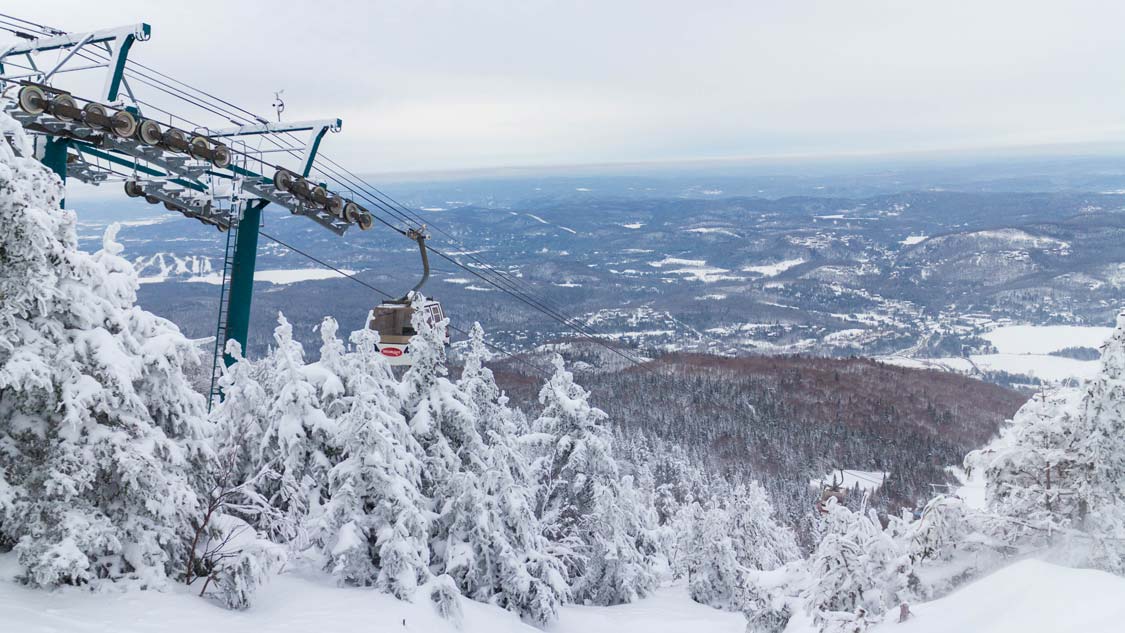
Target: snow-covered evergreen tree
715,575
761,542
1101,444
947,527
858,571
579,501
616,568
573,457
731,546
102,437
296,441
514,568
1057,471
442,423
375,522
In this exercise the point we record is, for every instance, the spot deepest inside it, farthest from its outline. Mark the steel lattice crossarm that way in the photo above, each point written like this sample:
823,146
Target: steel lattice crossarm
203,174
116,42
198,175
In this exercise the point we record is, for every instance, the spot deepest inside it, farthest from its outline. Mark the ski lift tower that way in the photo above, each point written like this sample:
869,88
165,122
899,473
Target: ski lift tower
91,116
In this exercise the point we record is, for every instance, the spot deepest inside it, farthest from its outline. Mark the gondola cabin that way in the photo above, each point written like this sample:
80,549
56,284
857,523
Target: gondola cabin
833,491
393,323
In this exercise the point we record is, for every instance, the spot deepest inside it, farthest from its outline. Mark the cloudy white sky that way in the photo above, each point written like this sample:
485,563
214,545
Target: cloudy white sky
425,85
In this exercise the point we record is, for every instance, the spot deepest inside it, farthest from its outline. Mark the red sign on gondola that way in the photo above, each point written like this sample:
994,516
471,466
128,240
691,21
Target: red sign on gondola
393,352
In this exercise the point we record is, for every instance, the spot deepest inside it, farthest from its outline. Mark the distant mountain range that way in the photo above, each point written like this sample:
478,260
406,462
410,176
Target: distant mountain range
920,273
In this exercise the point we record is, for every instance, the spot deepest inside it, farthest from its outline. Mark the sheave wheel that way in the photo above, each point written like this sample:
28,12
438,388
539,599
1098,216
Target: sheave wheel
220,156
352,212
198,147
93,114
32,100
283,180
124,124
63,107
149,132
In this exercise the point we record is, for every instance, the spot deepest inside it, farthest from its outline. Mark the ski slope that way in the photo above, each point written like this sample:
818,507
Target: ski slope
1027,597
311,603
850,479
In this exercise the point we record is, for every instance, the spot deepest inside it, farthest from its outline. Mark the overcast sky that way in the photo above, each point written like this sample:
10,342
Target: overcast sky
426,85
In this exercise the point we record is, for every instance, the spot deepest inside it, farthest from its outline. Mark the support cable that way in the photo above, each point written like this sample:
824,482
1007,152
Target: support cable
363,283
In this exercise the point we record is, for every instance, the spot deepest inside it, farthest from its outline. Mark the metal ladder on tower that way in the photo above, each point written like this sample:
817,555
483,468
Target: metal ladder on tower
224,307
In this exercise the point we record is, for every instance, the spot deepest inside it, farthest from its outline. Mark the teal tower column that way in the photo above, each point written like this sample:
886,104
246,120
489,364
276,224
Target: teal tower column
242,275
54,157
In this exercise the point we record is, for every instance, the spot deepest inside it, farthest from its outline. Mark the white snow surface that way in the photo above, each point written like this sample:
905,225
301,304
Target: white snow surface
1051,369
281,277
775,269
973,487
911,240
310,602
865,479
1030,596
1044,339
715,230
677,261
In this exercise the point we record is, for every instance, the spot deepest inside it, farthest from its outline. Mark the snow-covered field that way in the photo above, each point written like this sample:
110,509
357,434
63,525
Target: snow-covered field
696,269
1052,369
1044,339
772,270
1024,350
287,276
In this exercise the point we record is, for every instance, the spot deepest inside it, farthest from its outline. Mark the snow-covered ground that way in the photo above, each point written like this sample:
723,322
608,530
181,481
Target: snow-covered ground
1025,350
972,488
1044,339
310,603
289,276
714,230
865,479
772,270
1052,369
1027,597
696,269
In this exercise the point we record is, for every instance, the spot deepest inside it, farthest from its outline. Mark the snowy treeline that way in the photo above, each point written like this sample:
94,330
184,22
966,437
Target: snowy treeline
430,483
426,486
